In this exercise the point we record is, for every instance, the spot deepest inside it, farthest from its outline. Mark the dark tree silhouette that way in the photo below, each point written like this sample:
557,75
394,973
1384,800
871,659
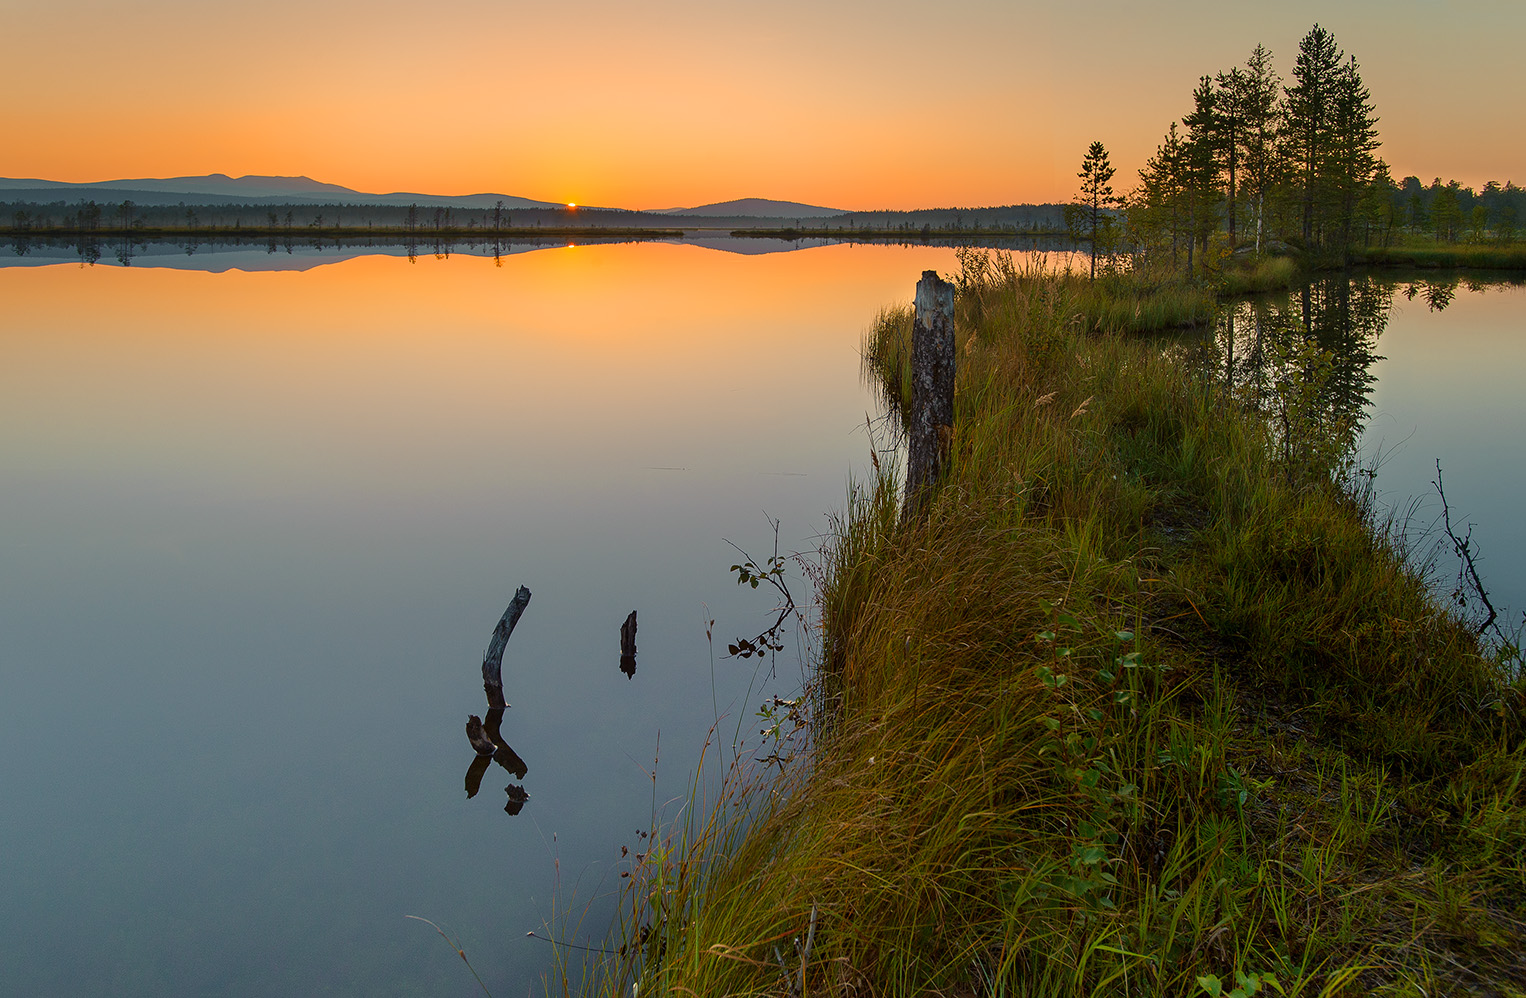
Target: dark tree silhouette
1096,198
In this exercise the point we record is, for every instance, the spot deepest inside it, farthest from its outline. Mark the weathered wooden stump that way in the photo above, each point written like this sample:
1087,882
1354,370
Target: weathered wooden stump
931,429
483,733
628,646
492,659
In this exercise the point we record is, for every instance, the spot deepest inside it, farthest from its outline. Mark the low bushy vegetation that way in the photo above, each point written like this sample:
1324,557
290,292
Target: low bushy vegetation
1428,253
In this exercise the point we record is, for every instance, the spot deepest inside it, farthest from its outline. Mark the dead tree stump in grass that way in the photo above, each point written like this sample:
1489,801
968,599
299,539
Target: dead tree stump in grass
931,426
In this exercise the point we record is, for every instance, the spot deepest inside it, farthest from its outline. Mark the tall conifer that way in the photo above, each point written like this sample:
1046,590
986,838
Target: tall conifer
1096,197
1350,160
1260,90
1310,118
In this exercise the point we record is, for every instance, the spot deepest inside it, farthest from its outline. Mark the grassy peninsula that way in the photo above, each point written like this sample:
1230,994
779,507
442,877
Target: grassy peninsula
1147,705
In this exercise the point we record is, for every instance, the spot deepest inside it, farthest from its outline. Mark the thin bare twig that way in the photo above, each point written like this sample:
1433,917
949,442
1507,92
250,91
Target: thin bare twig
1467,573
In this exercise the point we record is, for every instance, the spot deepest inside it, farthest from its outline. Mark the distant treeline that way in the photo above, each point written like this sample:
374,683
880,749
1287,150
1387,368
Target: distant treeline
1452,212
1013,218
89,216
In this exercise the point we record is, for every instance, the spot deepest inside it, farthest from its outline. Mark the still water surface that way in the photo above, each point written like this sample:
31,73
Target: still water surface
1450,388
256,528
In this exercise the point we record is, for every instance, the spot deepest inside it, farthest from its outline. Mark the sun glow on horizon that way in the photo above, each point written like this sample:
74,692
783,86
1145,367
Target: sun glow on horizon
784,116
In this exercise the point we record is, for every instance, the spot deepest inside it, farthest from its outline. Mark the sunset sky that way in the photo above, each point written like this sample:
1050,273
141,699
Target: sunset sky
855,105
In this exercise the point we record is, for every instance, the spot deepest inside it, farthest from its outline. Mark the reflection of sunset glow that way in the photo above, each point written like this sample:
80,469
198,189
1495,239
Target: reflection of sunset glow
435,358
346,465
602,297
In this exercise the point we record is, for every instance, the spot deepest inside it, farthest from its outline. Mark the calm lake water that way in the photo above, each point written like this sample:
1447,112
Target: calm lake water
1450,389
257,526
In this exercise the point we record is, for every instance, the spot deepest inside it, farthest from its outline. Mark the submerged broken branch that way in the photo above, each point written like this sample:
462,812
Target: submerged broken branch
492,659
933,359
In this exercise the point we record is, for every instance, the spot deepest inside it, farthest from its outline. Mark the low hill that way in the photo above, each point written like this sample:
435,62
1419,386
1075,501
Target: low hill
756,208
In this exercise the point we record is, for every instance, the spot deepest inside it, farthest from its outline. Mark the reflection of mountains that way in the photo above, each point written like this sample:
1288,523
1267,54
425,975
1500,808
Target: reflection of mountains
253,255
298,254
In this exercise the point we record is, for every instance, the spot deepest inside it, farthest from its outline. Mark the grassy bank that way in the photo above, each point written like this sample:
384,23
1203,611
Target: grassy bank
1146,706
1482,256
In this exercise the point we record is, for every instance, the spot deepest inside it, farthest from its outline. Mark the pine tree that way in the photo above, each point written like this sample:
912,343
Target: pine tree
1162,186
1446,211
1201,167
1228,128
1310,119
1350,161
1261,89
1096,197
1378,207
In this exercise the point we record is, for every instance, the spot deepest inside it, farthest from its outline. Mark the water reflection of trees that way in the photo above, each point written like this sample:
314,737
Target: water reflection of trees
1325,334
1436,295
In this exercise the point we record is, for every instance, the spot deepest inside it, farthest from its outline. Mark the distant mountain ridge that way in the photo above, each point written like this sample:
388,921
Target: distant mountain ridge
249,190
254,189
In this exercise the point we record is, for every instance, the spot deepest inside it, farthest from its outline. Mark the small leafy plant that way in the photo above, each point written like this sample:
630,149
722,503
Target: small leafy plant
1245,985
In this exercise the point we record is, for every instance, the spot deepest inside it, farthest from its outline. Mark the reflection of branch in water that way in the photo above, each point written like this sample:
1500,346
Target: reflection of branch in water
489,745
1437,296
503,755
484,734
474,774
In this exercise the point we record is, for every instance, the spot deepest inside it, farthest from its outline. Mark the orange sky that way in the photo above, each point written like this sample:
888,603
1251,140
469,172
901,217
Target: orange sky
856,105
